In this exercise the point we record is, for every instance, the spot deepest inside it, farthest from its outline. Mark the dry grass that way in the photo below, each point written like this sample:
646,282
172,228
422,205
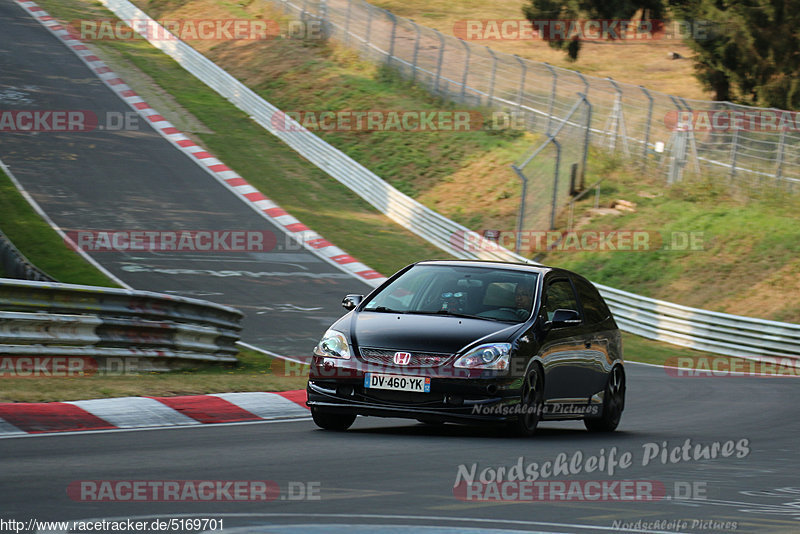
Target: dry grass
638,63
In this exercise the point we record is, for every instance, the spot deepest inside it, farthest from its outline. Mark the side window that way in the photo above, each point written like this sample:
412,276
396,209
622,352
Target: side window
559,295
594,308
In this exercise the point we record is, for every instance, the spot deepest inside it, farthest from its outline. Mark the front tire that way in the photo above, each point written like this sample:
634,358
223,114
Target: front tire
332,421
613,404
531,404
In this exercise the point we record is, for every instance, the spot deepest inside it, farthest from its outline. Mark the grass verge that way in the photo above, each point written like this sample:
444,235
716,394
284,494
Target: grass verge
38,242
254,372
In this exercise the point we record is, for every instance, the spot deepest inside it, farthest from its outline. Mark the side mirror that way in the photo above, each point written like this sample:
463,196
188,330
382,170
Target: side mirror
562,318
351,301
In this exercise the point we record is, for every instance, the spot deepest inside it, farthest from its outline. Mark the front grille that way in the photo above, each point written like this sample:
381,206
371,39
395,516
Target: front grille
385,357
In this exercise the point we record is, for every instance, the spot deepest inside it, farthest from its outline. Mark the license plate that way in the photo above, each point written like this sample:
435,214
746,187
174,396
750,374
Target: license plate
419,384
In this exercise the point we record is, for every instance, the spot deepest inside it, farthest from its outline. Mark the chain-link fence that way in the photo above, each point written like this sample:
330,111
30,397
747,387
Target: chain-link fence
627,119
553,171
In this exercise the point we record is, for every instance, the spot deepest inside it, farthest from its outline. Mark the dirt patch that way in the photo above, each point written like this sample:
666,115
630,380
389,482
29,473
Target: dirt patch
767,297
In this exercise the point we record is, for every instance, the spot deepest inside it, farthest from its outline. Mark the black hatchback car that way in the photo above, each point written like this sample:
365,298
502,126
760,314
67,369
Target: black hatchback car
471,342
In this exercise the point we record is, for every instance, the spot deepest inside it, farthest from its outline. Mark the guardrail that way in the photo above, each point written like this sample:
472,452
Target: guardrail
44,319
654,319
16,265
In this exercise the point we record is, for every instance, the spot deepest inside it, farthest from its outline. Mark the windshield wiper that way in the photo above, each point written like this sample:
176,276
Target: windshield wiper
455,314
445,312
383,309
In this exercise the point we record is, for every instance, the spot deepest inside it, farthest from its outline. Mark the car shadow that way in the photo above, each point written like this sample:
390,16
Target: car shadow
543,433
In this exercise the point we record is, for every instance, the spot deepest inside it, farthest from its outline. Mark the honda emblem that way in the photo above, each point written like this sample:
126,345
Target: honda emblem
402,358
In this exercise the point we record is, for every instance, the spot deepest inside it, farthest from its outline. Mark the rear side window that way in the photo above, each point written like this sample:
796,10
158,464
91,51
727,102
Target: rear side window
559,295
594,308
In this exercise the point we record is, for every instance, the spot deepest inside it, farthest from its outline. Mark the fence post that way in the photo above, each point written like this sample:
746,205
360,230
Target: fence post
647,123
734,152
552,96
678,139
369,27
347,23
780,156
521,216
393,17
521,82
588,128
304,10
416,54
618,120
585,83
691,139
466,71
327,27
555,184
439,62
494,74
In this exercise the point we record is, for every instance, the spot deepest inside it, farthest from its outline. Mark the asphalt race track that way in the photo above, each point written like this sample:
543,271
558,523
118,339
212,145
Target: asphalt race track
136,180
394,472
704,454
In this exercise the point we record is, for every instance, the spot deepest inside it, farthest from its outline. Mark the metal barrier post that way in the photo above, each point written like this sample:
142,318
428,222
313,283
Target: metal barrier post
521,216
647,122
416,54
734,146
555,184
521,92
466,71
347,23
439,62
494,74
369,27
780,156
552,96
587,130
393,18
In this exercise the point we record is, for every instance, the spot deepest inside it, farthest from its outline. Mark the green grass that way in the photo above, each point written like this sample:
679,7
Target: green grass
254,372
37,241
740,243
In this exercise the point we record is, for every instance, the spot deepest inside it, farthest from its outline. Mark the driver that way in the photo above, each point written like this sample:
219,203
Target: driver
523,299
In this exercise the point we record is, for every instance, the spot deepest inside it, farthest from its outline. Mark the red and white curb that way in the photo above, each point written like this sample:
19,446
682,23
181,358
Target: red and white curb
267,208
19,419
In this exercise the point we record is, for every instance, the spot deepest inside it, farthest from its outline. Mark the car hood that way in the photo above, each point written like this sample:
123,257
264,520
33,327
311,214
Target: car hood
425,333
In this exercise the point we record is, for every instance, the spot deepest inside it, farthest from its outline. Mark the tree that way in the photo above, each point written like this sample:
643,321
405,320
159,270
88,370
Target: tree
751,46
572,10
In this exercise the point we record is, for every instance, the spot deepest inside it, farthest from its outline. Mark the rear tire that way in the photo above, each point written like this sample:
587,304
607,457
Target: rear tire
613,404
332,421
531,404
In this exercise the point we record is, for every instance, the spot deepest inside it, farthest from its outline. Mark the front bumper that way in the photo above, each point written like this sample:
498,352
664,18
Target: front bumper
449,400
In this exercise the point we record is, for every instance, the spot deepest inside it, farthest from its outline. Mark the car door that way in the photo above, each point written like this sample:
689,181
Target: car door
568,369
604,337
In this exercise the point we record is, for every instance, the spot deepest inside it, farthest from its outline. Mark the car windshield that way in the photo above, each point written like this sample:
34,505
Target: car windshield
483,292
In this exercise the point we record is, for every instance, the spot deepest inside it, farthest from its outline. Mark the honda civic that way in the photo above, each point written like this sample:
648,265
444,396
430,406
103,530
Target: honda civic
472,342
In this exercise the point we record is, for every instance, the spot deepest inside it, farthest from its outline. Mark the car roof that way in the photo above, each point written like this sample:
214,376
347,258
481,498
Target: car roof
529,267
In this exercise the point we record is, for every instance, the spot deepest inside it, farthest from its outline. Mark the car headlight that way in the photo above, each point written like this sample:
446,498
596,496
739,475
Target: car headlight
333,345
489,356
